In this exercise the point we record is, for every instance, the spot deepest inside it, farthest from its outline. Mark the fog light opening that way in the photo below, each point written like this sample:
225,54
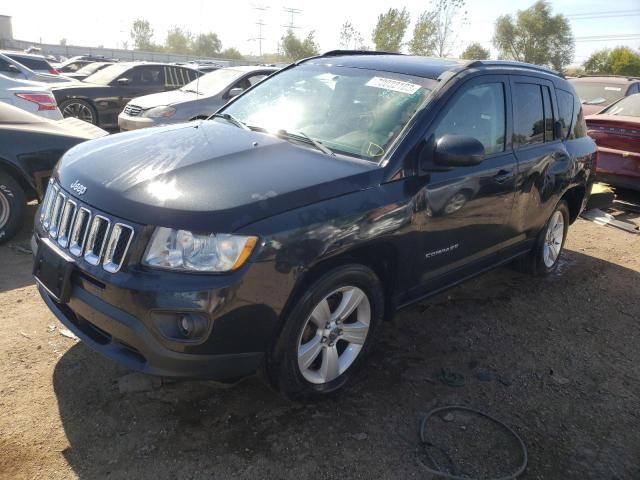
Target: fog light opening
186,326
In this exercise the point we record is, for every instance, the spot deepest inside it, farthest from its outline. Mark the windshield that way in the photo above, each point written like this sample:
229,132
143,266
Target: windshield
108,74
628,107
352,111
597,93
91,68
213,82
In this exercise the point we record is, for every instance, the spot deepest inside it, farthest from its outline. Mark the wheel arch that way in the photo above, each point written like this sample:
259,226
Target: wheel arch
381,258
11,169
574,197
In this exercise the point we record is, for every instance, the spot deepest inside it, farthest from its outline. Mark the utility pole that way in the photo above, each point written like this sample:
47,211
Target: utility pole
260,24
293,12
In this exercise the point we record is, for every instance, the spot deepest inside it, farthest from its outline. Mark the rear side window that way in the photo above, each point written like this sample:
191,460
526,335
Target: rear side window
548,114
477,113
146,76
32,63
565,110
529,114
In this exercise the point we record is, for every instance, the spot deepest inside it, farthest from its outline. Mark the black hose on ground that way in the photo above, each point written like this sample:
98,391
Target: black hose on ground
437,470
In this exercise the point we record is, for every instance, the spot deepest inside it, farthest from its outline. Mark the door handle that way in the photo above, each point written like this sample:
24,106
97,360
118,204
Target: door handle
502,176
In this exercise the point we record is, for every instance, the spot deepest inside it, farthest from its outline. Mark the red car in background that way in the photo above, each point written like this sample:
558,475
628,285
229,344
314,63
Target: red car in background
598,92
616,131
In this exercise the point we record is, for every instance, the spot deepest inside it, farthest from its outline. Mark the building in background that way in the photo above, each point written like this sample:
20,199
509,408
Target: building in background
6,30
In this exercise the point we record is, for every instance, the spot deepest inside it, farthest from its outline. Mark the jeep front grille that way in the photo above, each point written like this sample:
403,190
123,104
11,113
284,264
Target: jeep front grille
86,234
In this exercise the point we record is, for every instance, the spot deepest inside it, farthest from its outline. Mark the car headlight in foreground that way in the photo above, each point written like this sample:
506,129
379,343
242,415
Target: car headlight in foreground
187,251
158,112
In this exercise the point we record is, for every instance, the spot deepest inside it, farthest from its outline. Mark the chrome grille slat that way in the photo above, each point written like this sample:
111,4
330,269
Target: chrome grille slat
56,214
47,207
96,239
66,222
117,247
84,233
79,231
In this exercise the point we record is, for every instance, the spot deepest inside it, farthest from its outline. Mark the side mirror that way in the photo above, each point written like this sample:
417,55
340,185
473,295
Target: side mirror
123,81
234,92
458,151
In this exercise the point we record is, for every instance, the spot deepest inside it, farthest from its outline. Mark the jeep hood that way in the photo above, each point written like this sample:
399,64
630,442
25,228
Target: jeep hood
206,176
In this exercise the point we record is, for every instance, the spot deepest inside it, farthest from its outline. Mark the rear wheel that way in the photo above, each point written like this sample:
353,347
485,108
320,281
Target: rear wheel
545,255
79,109
12,207
328,334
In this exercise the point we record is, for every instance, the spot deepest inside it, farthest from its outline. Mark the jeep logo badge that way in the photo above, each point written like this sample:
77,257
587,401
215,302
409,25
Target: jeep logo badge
78,187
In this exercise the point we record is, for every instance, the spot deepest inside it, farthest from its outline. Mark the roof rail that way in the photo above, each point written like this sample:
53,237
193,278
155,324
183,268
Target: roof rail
587,75
511,63
337,53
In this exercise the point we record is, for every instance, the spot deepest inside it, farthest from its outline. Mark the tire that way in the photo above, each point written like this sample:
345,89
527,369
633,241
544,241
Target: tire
79,109
539,262
12,207
301,336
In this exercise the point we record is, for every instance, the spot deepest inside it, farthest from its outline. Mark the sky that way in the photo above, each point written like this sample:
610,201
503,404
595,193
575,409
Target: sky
89,23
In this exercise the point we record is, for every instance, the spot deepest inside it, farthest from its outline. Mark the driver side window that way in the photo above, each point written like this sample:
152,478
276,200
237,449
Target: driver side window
479,113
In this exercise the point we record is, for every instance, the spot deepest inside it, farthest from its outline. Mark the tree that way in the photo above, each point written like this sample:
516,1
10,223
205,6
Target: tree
449,16
178,41
390,30
535,36
350,38
295,49
63,42
207,45
619,61
424,36
141,34
231,53
475,51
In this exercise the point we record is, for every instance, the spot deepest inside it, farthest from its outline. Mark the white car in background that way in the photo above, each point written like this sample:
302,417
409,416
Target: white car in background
33,97
14,69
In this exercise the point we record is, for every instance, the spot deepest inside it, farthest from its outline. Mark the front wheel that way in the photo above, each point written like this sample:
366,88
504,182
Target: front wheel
328,334
12,206
545,255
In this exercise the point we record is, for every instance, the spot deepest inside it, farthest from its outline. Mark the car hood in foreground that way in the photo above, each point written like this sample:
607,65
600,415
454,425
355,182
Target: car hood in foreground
206,175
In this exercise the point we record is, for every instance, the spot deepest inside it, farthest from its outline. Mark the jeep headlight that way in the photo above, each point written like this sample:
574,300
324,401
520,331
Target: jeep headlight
159,112
187,251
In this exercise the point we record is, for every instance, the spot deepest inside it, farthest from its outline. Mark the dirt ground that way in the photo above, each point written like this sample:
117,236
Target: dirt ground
557,359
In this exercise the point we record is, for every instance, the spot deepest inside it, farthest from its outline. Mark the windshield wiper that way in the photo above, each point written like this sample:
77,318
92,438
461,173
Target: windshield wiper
301,136
189,90
231,119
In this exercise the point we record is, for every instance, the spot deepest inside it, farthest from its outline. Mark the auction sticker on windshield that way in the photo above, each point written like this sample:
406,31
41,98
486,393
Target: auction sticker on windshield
395,85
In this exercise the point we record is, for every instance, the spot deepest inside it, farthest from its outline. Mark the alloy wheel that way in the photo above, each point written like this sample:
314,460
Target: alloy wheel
553,239
79,111
334,334
5,210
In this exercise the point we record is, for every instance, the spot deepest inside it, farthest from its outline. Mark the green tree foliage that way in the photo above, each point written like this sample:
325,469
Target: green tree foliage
619,61
449,16
350,38
231,53
295,49
178,41
423,41
535,36
475,51
206,45
390,29
141,34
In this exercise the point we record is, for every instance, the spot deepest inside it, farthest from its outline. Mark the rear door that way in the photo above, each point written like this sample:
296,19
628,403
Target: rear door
462,212
544,165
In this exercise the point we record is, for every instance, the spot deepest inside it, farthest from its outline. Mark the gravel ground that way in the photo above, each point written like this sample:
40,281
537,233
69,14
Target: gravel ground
557,359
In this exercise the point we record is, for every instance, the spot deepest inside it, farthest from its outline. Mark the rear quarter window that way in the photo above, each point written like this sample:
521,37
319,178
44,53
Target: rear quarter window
571,115
32,63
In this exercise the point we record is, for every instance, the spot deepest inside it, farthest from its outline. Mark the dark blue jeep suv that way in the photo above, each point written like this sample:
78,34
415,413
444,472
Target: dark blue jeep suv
278,234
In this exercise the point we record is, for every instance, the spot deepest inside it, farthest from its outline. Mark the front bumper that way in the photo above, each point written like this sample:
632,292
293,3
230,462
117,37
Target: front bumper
127,122
116,314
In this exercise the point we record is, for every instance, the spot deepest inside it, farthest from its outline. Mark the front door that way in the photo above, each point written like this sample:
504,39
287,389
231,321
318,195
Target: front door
462,212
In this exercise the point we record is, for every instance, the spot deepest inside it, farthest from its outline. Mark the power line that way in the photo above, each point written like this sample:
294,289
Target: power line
260,24
603,14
